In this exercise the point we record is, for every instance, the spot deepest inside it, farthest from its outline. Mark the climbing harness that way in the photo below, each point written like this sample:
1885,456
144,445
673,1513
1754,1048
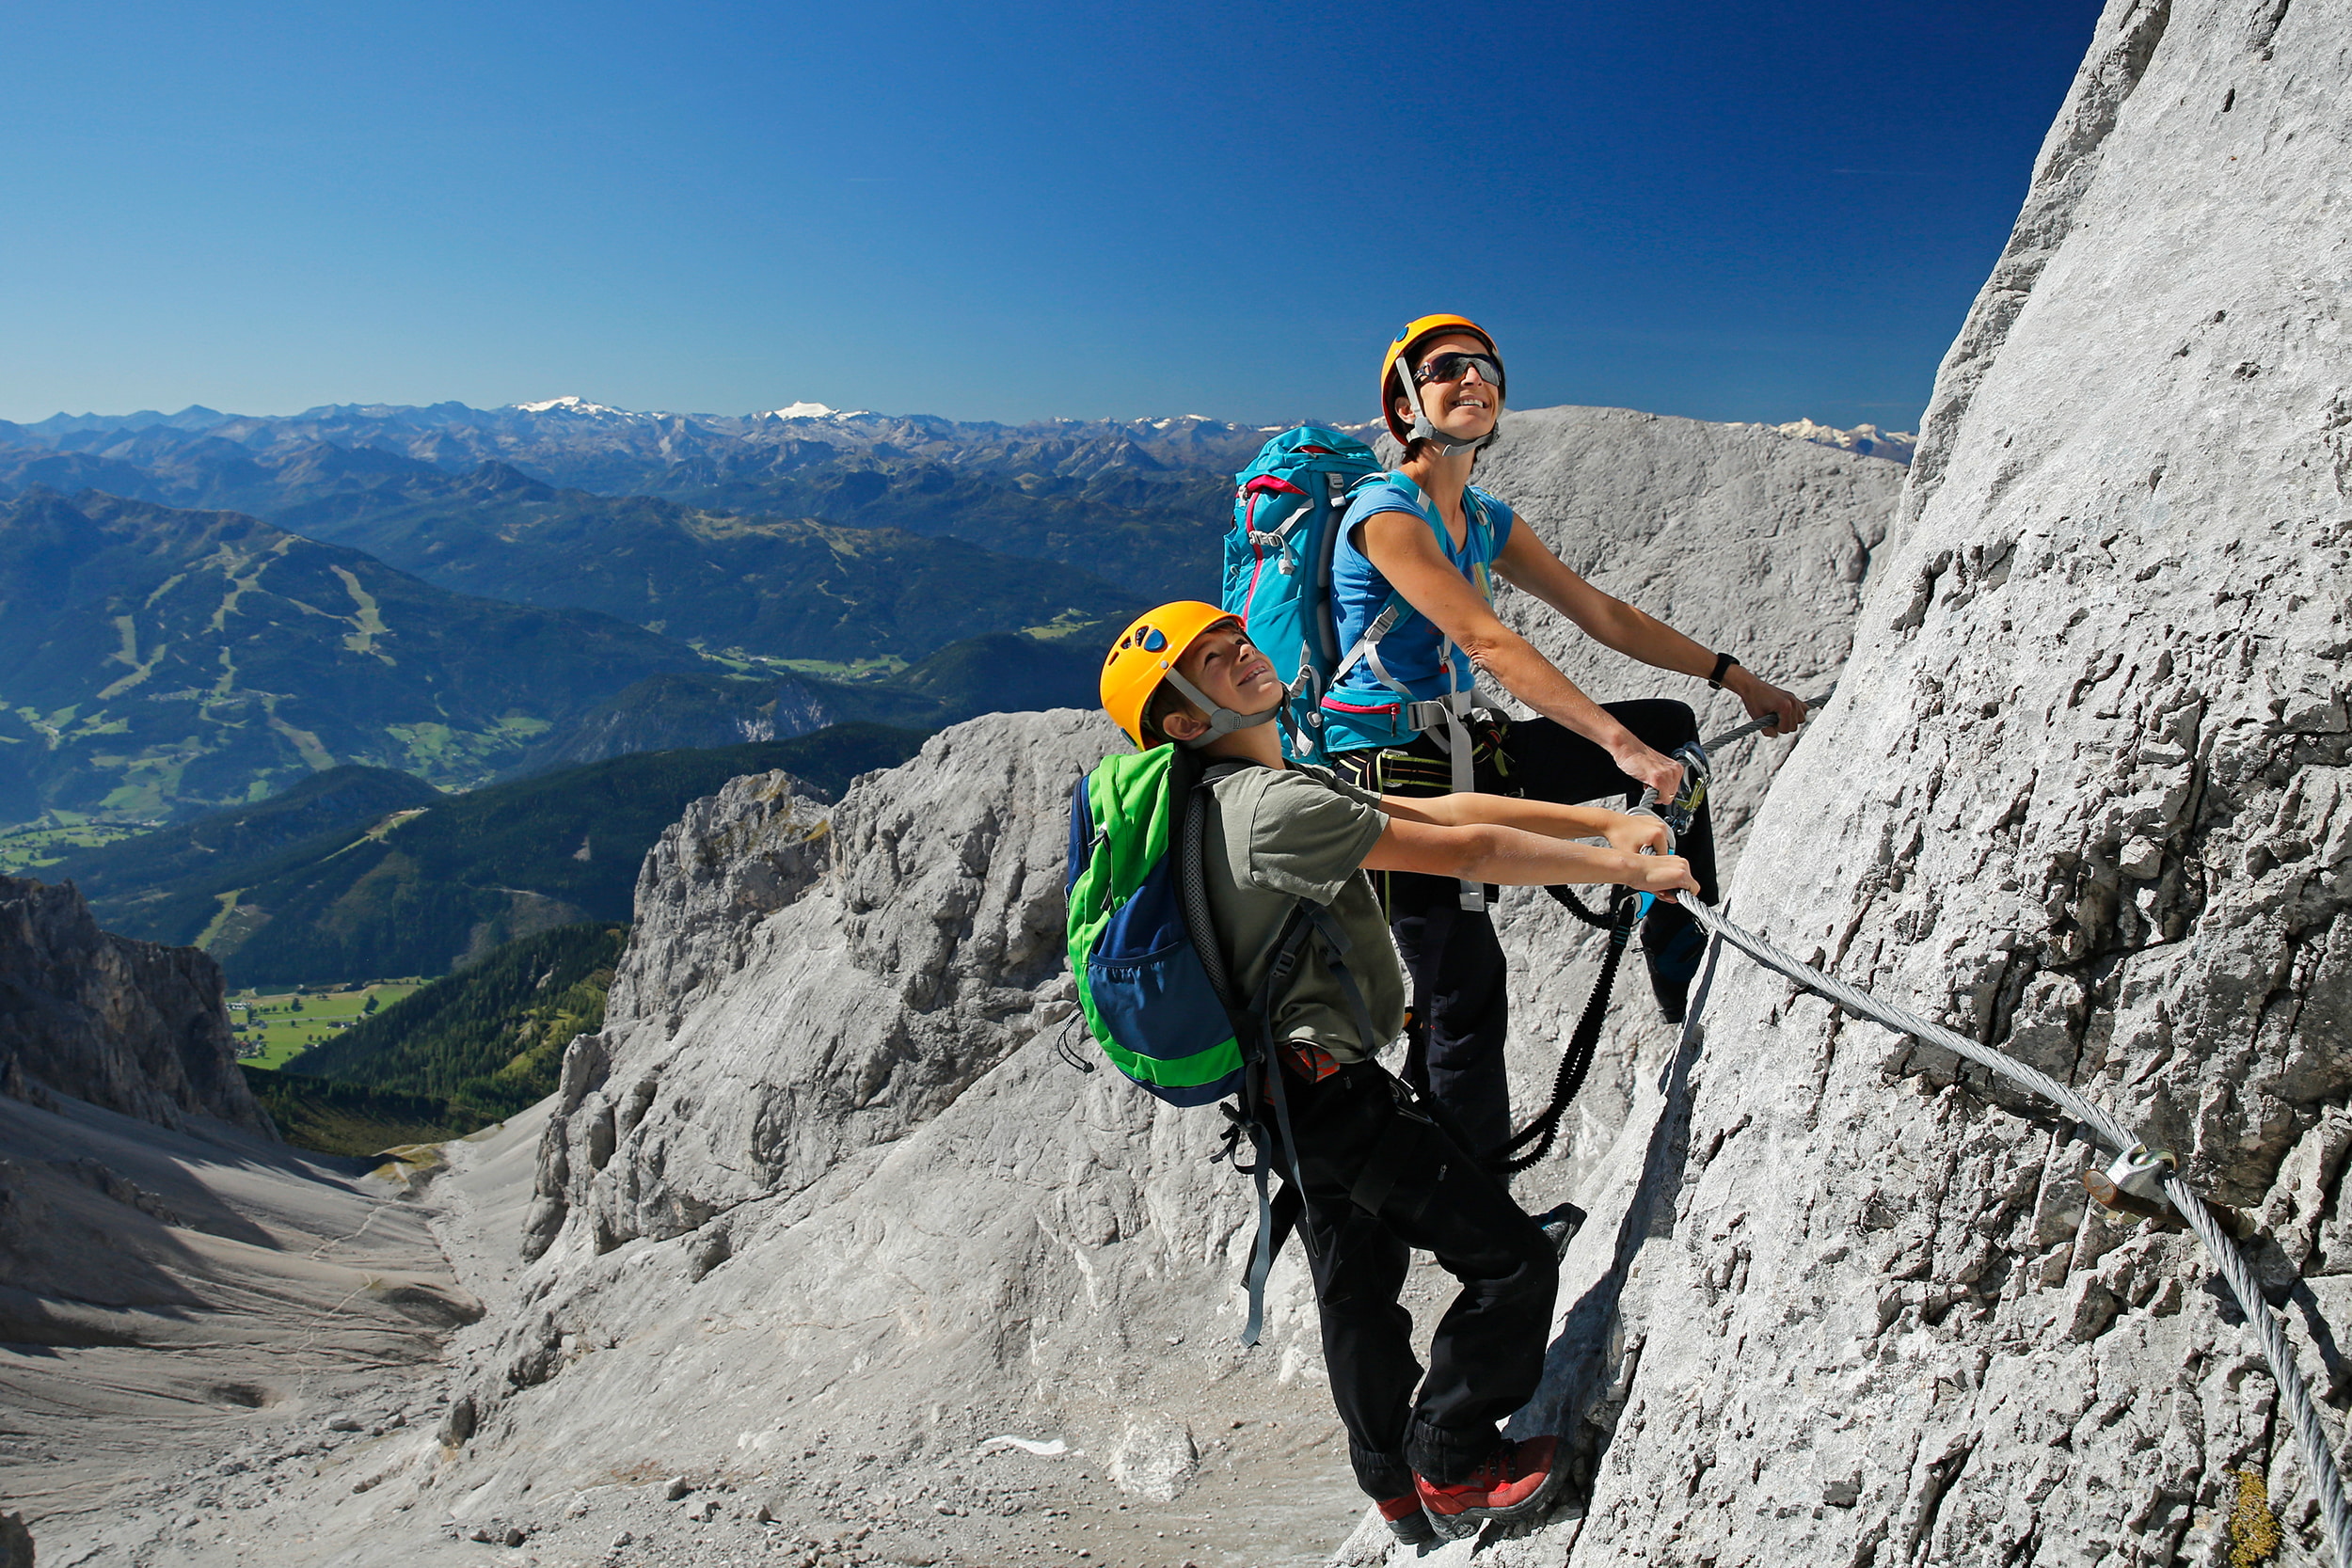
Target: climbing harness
1627,910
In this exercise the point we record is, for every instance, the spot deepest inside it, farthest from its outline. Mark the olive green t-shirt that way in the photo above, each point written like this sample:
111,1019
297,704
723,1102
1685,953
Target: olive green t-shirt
1283,834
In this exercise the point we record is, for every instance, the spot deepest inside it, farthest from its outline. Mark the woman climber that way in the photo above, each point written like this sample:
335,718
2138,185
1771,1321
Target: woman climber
1412,594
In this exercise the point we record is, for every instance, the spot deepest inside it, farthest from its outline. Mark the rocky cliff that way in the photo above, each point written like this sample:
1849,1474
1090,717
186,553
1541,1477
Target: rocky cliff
2085,793
128,1026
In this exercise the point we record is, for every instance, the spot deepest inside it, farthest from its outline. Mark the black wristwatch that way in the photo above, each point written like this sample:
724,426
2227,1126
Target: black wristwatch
1723,667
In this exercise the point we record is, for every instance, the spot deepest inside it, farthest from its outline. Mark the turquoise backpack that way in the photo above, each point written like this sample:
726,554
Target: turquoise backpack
1287,510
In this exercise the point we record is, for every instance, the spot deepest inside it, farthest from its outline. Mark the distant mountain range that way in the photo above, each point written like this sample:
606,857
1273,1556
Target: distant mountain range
1863,440
573,442
1138,502
150,657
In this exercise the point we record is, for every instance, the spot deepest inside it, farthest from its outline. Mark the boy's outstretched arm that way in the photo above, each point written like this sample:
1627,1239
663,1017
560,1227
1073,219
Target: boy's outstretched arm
1514,857
1622,829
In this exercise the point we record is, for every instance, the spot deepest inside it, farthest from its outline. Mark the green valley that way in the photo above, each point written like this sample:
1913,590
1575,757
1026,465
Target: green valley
154,661
489,1040
423,890
273,1028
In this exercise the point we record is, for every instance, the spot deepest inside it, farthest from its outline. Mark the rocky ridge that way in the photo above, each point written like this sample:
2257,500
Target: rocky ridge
2081,792
127,1025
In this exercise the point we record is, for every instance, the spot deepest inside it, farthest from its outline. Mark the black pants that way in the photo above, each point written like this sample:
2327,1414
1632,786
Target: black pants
1461,1009
1488,1353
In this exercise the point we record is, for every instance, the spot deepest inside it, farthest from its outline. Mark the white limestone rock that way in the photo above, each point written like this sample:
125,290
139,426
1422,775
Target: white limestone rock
2084,792
911,928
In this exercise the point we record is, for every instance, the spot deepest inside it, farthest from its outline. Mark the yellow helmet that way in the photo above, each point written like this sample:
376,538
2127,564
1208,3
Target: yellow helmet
1146,655
1415,334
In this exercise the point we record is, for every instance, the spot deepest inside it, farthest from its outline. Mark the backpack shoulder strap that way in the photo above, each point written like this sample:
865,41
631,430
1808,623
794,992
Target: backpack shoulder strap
1253,1027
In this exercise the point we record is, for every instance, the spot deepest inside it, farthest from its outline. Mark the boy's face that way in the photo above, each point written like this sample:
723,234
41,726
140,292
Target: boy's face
1229,670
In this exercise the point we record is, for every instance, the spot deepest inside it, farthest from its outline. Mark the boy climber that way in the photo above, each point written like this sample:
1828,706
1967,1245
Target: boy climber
1379,1176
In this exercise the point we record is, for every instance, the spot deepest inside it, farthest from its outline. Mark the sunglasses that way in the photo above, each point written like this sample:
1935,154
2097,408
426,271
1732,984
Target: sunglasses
1453,367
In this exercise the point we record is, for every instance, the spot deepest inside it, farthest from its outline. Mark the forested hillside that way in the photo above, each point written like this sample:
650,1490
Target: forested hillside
783,586
349,1118
155,661
424,891
998,672
485,1041
166,881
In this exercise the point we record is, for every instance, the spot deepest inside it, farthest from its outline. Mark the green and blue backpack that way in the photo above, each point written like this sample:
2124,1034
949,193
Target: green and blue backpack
1141,960
1151,981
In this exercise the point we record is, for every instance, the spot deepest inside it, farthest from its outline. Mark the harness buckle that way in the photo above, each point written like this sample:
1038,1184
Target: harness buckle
1431,713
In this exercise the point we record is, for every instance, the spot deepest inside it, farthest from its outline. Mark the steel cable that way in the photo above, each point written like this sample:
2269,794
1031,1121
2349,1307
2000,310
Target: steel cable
2310,1436
1753,725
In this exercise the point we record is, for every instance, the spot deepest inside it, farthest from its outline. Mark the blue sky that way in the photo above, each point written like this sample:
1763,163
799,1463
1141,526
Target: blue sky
1729,211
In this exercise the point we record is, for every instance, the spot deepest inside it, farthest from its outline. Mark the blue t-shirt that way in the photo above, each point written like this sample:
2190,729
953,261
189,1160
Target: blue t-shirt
1361,711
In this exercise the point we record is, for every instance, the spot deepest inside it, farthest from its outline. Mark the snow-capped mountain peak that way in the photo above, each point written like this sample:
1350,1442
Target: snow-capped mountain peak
800,411
1865,440
573,405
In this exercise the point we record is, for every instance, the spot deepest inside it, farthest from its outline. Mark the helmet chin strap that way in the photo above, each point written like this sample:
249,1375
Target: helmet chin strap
1222,720
1422,430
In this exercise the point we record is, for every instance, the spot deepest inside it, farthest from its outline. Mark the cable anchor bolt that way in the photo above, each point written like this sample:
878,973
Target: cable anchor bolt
2133,1183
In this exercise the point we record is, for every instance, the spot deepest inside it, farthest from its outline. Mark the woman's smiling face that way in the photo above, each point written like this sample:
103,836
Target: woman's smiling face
1468,406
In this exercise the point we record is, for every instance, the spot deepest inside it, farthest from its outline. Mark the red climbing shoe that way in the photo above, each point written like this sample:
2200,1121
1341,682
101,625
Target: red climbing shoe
1406,1520
1513,1482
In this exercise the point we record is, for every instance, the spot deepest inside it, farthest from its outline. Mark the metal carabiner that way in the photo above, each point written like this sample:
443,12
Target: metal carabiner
1678,813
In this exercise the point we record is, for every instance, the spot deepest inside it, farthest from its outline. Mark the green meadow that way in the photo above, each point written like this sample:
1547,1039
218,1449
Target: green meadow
274,1027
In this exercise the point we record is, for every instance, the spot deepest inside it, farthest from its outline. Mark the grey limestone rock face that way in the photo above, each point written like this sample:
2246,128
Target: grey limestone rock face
808,982
129,1025
2085,792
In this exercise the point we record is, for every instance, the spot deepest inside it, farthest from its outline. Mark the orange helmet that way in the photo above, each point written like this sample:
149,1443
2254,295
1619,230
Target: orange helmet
1415,334
1146,655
